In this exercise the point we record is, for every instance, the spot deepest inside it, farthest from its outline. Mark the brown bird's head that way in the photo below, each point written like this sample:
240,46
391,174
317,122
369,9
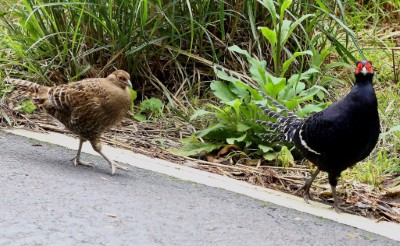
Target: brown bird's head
121,78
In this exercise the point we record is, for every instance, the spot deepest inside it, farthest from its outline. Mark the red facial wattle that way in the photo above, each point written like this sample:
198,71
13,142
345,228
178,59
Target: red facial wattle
364,68
359,67
368,66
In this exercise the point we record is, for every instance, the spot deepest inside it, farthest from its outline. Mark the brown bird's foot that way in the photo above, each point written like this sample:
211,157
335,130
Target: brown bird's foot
114,166
77,161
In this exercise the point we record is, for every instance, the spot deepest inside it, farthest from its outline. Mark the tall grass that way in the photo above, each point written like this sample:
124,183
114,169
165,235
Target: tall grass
167,45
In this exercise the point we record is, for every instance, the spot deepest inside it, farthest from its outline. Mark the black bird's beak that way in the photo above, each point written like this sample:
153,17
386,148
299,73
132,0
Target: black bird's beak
364,70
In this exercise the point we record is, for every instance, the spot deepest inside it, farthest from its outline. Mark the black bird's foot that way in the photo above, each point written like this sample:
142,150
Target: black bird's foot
307,185
336,206
306,196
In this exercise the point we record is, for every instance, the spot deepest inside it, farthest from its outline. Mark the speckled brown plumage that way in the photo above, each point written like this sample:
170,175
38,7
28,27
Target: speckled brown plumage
87,107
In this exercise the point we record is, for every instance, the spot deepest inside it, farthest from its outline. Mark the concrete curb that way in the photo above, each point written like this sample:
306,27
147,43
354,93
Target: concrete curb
389,230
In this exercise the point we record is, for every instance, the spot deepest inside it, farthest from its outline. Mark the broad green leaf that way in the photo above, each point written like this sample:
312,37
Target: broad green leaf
310,108
300,87
289,61
216,108
269,34
221,90
237,49
192,147
287,94
235,104
285,157
248,143
264,148
259,74
292,103
250,59
309,93
284,6
217,127
26,106
254,93
269,4
285,32
337,64
238,90
133,94
305,75
295,24
234,140
198,113
153,105
241,127
222,75
274,86
321,95
270,156
276,80
140,117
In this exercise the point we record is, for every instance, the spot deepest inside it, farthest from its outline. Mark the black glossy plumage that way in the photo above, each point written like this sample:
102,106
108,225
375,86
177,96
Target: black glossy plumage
341,135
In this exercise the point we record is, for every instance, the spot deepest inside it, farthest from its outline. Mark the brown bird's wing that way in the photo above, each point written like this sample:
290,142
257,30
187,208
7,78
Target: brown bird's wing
88,107
79,106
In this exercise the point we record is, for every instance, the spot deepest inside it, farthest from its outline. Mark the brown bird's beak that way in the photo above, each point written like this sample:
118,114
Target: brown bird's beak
129,84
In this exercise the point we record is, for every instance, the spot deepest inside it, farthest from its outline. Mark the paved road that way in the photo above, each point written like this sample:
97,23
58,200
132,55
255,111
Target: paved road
45,200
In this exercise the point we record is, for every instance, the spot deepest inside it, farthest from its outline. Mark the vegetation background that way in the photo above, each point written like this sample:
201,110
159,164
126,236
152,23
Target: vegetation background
195,64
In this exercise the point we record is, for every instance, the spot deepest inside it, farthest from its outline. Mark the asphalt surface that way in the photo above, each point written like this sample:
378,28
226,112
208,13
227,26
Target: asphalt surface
46,200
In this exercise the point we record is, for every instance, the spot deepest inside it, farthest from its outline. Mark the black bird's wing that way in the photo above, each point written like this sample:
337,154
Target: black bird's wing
323,132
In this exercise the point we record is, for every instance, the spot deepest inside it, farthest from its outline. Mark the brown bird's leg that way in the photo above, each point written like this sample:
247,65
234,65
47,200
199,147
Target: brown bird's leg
96,144
77,159
307,185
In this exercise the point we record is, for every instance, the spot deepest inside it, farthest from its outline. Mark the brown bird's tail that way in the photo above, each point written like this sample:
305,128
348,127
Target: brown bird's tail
24,87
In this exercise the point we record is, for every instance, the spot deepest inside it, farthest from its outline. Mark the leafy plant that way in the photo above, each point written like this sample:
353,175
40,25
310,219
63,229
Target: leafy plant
26,106
280,33
234,119
152,106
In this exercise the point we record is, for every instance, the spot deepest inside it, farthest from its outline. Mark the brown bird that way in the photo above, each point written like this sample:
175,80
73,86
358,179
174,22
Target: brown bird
88,107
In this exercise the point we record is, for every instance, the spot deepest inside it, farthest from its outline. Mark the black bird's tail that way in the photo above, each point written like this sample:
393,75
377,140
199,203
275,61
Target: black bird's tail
286,121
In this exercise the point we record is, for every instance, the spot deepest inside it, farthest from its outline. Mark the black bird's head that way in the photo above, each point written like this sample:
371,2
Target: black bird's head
364,70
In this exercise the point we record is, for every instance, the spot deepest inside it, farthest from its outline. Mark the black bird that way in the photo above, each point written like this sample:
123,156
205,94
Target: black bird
336,138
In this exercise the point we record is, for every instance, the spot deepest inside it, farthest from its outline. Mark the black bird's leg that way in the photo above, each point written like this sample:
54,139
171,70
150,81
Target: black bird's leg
307,185
333,182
